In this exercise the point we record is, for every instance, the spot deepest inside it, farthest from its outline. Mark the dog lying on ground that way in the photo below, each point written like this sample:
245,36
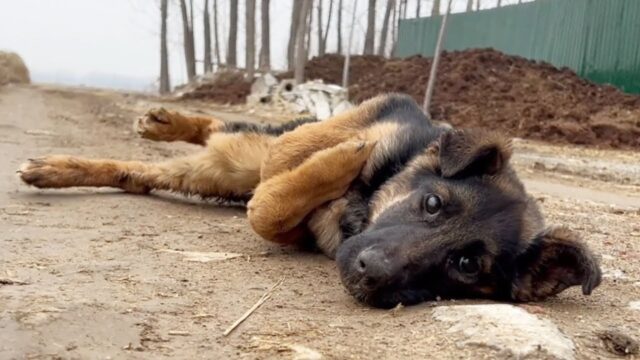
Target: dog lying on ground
410,211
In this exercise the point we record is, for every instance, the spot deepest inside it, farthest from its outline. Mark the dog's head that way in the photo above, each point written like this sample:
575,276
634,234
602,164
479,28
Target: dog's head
455,223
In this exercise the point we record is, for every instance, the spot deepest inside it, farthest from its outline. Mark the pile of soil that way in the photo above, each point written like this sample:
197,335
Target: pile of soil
226,87
489,89
12,69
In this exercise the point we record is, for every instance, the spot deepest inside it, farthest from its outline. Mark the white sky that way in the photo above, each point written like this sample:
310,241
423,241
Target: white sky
79,41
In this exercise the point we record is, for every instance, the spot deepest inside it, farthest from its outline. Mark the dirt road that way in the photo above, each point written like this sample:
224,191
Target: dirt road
83,273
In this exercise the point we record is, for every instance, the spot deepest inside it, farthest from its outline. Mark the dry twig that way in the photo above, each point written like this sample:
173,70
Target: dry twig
255,307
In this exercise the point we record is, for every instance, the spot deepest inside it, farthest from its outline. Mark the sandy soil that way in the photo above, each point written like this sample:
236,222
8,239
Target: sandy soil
82,274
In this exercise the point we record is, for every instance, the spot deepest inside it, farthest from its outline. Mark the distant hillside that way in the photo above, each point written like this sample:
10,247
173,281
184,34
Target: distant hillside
109,81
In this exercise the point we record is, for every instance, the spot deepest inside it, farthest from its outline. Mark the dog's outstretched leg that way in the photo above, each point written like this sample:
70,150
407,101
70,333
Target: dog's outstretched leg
280,204
228,168
163,125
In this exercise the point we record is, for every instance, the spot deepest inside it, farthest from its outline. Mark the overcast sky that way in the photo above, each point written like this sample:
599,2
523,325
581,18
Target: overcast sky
115,43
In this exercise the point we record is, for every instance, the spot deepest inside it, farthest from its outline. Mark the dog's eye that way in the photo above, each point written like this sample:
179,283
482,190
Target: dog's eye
468,265
432,203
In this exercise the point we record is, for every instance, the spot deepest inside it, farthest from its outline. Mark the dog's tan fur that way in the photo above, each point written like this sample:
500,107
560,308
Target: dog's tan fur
289,176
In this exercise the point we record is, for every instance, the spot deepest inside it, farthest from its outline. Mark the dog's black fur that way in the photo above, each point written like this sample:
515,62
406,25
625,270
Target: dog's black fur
487,238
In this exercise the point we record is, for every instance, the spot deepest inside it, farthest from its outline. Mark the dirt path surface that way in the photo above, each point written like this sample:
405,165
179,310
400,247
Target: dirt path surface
84,273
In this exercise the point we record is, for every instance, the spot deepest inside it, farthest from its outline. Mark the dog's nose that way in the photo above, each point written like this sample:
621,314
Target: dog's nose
373,264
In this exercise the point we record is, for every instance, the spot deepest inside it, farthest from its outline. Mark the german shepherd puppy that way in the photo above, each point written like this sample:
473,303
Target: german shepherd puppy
409,210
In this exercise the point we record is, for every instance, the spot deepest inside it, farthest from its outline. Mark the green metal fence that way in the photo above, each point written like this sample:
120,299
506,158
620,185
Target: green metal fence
599,39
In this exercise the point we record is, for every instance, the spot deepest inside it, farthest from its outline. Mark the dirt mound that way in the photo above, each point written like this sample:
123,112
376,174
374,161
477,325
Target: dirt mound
486,88
225,87
13,69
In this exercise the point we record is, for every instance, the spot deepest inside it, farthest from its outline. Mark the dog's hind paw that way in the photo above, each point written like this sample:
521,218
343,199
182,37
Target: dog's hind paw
47,172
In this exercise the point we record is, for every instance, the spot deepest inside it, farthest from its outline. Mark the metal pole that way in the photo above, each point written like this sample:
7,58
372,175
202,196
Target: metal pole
434,65
345,70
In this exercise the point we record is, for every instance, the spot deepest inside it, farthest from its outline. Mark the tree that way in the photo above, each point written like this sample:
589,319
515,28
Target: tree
308,30
418,8
499,3
187,35
265,44
323,46
215,32
293,31
435,10
301,51
404,9
208,65
347,58
250,42
369,37
478,5
394,28
469,5
165,83
319,24
391,4
339,28
233,38
401,14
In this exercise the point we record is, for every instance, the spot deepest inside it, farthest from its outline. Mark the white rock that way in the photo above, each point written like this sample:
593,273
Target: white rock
616,274
634,305
343,106
506,328
264,84
321,108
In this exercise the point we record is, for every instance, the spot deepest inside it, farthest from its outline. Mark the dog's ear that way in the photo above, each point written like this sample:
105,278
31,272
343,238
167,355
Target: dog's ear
472,152
554,261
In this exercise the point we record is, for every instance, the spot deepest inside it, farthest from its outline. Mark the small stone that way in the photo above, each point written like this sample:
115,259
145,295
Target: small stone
619,343
506,328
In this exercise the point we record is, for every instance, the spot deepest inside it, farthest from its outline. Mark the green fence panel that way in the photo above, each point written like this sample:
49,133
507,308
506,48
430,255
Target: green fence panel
599,39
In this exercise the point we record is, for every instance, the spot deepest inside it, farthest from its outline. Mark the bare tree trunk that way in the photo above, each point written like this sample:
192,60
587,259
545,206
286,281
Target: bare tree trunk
499,3
208,65
215,32
339,28
308,30
165,83
192,41
400,15
469,5
319,26
250,39
233,38
394,29
293,31
369,38
347,58
435,10
326,29
478,5
265,45
418,8
189,46
385,27
301,51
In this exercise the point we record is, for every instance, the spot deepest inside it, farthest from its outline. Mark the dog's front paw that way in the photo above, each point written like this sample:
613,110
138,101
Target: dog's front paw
156,124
